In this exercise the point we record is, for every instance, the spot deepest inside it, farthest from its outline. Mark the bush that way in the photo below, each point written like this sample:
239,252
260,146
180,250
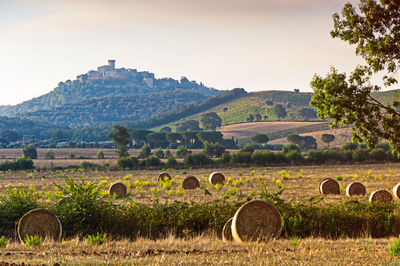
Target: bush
383,145
197,159
263,157
241,157
100,155
19,164
71,155
213,149
128,163
226,157
3,242
350,146
377,154
30,151
291,147
152,161
159,153
50,155
145,151
360,155
247,148
89,165
171,161
294,156
182,151
394,247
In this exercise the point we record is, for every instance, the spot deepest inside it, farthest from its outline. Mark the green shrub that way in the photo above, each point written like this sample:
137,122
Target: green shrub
145,151
98,239
128,163
377,154
3,242
197,159
360,155
32,241
50,155
100,155
30,151
88,165
263,157
294,156
241,157
159,153
182,151
213,149
152,161
291,147
247,148
339,178
226,158
383,145
168,153
350,146
71,155
171,161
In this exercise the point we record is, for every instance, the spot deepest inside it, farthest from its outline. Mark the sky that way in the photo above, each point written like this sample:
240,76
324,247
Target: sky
251,44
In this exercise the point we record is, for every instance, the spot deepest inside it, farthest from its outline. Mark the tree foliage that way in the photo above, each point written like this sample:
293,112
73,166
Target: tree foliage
374,29
121,138
280,111
211,120
30,151
327,138
260,138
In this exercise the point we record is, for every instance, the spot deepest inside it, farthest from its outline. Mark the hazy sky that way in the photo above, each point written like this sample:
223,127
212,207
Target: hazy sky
254,44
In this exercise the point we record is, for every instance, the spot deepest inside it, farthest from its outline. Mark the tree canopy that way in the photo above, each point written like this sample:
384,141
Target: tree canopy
280,111
211,121
121,138
374,29
260,138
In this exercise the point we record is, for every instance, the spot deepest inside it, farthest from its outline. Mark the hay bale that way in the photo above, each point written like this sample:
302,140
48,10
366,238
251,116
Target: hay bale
396,191
118,189
216,178
329,186
227,231
382,196
163,176
257,220
319,187
356,189
39,222
190,182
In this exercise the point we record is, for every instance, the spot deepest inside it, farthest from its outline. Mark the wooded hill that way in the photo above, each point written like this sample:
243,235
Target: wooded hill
92,102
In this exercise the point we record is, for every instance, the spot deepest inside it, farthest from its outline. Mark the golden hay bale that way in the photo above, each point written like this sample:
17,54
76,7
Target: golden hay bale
356,189
118,189
257,220
329,186
190,182
216,178
319,187
163,176
39,222
227,231
396,191
382,196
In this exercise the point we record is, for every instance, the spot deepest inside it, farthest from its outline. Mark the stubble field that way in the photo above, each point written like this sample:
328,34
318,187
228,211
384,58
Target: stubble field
300,183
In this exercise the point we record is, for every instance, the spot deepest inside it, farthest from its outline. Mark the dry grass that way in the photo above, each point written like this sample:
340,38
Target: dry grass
246,130
204,250
342,135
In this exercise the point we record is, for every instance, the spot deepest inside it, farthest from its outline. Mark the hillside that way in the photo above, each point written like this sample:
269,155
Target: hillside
115,109
106,87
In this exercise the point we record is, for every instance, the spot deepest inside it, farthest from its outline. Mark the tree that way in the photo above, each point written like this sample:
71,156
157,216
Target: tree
139,136
187,125
165,129
327,138
260,138
295,139
211,121
348,100
210,136
174,138
50,155
280,111
10,135
59,136
309,142
258,117
145,151
121,138
250,118
30,151
306,113
158,139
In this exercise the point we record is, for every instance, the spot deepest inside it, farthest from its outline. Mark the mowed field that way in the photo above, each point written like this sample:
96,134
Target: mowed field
300,183
246,130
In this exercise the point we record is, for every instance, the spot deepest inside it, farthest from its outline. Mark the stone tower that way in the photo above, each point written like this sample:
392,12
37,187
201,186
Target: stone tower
111,64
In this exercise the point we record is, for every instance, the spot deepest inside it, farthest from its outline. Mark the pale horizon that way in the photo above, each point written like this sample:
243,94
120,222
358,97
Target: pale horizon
253,44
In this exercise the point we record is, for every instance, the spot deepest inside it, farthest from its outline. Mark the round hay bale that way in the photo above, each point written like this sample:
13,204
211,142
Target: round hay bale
356,189
39,222
64,200
163,176
190,182
227,231
257,220
319,187
396,191
329,186
216,178
118,189
382,196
